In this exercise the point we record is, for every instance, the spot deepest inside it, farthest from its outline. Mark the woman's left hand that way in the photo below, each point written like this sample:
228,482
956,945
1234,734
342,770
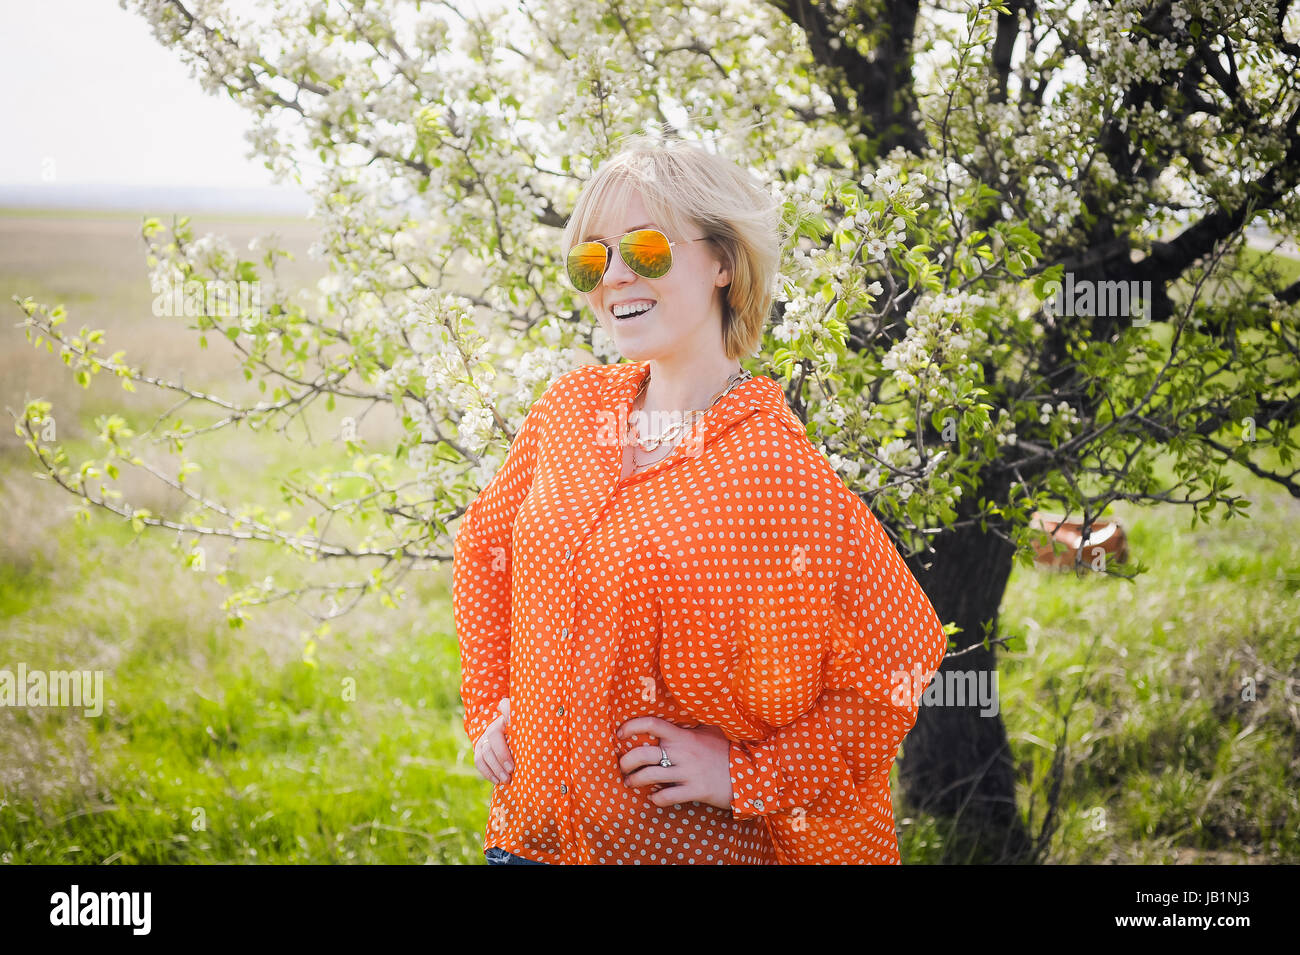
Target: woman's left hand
700,757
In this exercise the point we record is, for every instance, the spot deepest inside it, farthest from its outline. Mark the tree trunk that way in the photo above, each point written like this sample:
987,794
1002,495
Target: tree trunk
957,763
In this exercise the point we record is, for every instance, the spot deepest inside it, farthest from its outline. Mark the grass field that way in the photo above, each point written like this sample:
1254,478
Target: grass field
220,745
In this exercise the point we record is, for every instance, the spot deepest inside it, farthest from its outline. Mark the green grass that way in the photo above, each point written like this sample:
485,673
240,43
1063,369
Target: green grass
1165,759
1287,267
221,745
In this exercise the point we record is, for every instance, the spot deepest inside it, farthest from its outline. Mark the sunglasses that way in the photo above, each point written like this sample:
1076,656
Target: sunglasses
647,252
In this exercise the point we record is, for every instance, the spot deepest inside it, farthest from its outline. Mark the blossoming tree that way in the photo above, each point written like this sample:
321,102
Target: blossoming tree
1019,279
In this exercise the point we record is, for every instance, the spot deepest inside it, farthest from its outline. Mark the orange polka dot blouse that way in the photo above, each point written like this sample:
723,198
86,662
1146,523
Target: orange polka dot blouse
737,583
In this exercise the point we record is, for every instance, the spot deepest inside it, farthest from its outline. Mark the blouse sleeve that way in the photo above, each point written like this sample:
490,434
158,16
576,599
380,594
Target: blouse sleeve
892,641
481,572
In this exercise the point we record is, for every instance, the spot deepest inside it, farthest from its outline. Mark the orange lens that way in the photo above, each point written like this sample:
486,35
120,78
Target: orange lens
647,253
587,264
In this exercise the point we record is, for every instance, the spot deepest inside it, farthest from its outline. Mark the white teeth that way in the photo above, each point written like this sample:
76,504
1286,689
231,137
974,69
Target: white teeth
625,311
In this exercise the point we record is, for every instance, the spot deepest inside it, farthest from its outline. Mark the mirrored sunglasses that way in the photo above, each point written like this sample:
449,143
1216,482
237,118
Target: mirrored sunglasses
647,252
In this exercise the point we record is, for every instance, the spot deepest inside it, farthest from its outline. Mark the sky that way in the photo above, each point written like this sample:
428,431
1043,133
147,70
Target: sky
88,98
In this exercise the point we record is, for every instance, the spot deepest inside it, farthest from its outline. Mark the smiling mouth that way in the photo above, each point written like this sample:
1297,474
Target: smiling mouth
634,316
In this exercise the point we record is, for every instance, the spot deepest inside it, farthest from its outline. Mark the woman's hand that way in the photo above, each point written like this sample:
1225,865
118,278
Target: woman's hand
700,757
492,756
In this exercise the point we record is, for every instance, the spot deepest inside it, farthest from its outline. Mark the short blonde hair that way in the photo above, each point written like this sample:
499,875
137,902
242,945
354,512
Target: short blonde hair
682,186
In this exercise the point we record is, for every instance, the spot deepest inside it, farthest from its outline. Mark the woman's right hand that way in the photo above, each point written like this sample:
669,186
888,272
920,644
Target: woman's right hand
492,757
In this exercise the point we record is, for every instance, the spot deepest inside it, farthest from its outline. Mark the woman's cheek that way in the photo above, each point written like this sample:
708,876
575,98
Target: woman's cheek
598,310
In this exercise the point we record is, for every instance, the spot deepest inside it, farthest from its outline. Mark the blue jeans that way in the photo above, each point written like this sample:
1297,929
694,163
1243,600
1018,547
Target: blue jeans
496,856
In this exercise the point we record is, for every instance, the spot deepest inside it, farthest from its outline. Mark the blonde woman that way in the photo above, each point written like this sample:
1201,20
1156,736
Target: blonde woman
681,635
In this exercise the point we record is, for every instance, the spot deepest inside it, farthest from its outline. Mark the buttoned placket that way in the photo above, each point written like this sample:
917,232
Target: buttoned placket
609,465
567,651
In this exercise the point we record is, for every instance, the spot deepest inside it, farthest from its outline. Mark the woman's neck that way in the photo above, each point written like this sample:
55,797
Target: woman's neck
689,384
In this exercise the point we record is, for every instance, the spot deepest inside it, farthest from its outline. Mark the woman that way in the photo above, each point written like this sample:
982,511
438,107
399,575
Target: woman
681,634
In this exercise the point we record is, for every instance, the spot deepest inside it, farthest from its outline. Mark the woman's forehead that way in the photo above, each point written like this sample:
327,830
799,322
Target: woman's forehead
625,209
621,209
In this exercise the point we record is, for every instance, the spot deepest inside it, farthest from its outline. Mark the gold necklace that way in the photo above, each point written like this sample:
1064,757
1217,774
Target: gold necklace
678,428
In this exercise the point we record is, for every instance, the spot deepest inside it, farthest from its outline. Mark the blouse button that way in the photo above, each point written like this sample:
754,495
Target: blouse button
757,804
563,789
559,710
565,633
567,553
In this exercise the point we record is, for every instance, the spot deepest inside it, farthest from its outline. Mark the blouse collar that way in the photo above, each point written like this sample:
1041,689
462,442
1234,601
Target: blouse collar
758,393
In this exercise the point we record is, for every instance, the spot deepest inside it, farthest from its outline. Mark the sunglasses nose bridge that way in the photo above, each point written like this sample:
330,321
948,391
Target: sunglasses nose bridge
617,270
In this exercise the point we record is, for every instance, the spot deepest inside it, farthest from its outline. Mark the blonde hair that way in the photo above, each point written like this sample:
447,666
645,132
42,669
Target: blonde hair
681,186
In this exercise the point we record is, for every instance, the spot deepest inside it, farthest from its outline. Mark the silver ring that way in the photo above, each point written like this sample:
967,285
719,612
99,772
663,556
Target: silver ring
664,761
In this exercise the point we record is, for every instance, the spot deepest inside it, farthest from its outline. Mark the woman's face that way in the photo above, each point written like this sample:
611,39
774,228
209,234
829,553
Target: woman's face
687,312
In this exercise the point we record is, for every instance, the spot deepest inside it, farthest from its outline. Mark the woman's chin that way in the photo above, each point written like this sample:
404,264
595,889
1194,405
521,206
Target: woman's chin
633,351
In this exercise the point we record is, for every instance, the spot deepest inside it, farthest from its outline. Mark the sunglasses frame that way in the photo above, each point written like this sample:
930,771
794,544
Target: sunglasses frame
609,255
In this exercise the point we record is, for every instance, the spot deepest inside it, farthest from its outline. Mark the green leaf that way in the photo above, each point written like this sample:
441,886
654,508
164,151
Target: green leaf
1048,276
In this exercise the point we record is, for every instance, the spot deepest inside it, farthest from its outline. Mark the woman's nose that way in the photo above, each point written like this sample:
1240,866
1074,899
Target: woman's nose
617,273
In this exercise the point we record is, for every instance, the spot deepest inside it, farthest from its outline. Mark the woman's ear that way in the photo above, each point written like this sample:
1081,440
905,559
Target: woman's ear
723,278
